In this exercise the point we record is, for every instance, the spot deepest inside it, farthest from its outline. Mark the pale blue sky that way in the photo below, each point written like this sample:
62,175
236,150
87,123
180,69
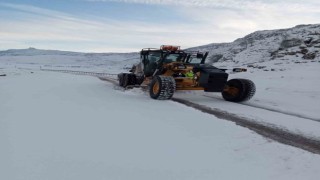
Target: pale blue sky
129,25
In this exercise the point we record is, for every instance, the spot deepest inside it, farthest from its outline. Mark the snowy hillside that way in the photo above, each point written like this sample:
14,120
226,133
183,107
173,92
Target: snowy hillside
294,44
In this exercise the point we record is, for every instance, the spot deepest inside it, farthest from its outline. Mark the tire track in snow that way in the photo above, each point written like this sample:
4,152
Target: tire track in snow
273,110
269,131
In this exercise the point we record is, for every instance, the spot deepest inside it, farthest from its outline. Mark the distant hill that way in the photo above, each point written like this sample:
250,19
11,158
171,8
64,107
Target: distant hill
67,60
36,52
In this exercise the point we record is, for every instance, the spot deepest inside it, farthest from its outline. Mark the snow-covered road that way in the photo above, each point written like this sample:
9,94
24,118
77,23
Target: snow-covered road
61,126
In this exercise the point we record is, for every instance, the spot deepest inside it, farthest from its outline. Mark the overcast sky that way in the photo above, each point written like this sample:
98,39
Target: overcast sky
129,25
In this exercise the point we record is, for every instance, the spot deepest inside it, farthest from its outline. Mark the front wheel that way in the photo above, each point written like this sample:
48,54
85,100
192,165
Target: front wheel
127,79
238,90
120,79
162,87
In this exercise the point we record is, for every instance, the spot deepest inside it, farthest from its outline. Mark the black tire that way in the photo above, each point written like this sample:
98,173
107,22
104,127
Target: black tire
167,86
128,79
250,89
139,80
132,79
244,90
120,79
125,80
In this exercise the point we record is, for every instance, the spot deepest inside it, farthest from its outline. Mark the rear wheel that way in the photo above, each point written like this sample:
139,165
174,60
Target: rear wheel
238,90
162,87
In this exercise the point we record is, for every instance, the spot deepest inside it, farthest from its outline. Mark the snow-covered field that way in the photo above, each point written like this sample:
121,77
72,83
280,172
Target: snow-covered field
62,126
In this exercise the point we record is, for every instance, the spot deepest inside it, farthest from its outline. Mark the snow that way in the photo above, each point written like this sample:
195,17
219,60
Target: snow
61,126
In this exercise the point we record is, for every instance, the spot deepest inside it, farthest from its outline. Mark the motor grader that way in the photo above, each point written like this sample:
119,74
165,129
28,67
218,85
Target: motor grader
171,69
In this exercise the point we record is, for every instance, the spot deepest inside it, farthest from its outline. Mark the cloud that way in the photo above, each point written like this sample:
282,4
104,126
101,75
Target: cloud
44,28
226,20
205,22
285,5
